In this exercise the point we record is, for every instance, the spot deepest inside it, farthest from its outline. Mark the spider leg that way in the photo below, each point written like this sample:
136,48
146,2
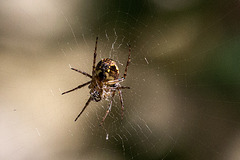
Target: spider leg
87,103
121,100
120,87
78,87
84,73
114,81
109,108
94,57
128,61
123,87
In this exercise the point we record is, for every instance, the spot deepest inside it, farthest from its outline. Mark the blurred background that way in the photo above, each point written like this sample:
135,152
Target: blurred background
184,78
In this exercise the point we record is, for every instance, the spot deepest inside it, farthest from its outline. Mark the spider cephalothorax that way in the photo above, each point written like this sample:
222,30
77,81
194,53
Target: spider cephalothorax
104,82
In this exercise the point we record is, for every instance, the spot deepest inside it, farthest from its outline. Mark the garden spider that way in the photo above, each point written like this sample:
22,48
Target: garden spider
104,82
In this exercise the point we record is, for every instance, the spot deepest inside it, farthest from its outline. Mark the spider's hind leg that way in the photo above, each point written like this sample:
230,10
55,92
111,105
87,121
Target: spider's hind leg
128,61
94,57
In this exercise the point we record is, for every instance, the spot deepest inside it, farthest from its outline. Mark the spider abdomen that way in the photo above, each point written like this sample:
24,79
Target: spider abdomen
106,70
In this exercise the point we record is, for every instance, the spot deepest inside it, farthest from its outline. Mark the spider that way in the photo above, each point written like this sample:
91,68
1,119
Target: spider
104,82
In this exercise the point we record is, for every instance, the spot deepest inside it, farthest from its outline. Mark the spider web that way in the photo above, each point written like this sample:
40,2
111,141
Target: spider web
184,79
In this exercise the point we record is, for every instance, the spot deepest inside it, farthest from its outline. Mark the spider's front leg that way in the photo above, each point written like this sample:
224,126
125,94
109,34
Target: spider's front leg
121,100
87,103
109,108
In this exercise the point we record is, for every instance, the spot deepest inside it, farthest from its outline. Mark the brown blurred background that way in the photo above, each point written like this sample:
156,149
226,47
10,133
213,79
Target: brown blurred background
184,78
